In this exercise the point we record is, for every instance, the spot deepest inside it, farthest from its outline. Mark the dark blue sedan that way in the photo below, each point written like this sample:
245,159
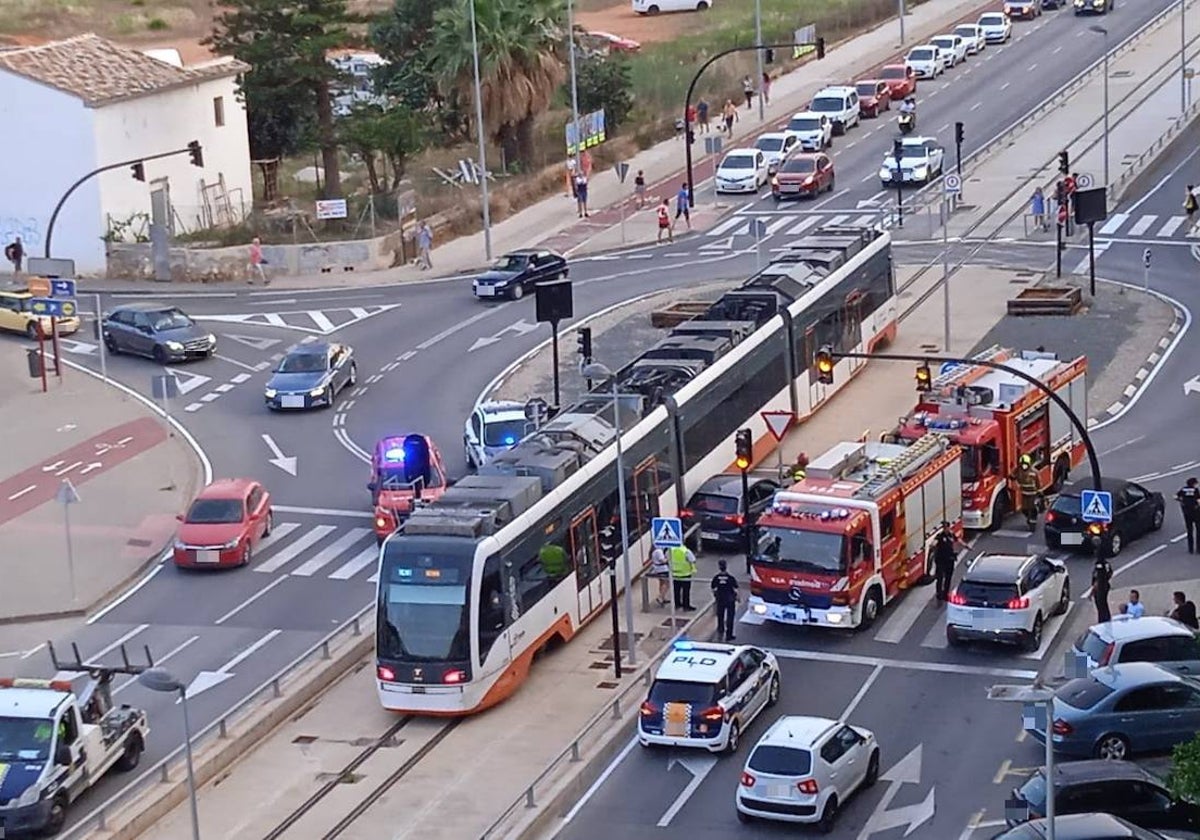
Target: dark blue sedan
311,375
518,272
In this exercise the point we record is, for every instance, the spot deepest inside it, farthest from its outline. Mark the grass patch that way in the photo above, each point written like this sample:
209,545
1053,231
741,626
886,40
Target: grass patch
157,24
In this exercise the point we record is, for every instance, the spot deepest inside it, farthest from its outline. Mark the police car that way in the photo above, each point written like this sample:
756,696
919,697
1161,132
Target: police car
706,695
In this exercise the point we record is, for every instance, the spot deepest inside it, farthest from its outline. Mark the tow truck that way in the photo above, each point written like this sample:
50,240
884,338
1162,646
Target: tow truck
58,737
996,418
405,472
855,533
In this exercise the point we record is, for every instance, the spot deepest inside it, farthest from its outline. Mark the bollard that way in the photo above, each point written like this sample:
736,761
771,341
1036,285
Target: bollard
529,801
645,582
34,359
575,751
221,731
325,650
357,629
616,709
164,776
275,689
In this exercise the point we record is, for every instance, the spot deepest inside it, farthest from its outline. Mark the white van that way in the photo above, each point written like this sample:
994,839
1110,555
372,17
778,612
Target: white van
653,7
840,104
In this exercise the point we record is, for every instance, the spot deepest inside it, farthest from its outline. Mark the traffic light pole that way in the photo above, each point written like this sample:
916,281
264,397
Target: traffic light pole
187,150
746,518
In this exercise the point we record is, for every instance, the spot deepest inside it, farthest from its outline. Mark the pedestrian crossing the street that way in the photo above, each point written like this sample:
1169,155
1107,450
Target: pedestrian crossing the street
307,550
789,224
1148,226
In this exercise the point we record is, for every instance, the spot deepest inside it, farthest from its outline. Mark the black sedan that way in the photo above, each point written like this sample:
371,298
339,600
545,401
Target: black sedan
1136,511
159,331
518,272
311,375
721,511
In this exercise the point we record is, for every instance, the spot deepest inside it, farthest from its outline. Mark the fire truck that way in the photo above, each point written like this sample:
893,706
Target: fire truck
855,533
996,418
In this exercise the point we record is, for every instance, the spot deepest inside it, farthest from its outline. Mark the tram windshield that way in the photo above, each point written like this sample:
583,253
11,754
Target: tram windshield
423,609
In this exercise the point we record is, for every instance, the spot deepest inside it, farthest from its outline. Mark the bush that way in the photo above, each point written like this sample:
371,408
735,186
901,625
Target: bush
1184,778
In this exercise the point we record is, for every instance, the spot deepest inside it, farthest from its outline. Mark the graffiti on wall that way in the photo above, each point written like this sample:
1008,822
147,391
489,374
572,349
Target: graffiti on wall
26,227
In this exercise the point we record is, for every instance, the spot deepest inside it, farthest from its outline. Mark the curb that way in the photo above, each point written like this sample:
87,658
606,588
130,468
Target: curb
1152,361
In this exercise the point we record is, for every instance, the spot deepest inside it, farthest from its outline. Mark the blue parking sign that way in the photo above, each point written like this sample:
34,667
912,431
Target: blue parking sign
667,531
1097,506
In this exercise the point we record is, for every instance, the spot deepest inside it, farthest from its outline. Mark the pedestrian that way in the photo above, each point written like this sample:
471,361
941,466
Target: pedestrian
725,593
748,92
1189,204
571,175
424,246
1134,608
702,114
14,252
1037,207
639,189
585,163
257,262
664,221
945,555
683,568
683,206
1184,611
1189,504
800,468
766,88
661,571
1101,582
581,194
730,116
690,115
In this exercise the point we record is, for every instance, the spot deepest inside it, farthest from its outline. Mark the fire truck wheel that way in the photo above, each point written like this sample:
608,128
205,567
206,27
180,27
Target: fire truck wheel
1000,509
870,608
1062,471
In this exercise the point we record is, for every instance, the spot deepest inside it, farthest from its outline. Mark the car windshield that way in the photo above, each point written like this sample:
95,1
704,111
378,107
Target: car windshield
423,614
25,739
894,73
738,162
511,262
987,593
714,503
780,761
921,55
802,165
1083,693
1034,791
992,20
866,88
796,549
769,144
1094,646
680,691
169,319
827,103
911,150
215,511
303,363
1069,505
503,432
804,124
966,32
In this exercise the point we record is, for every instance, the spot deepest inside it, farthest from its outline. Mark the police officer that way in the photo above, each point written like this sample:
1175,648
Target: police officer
725,593
1101,584
1027,482
945,555
683,567
1189,502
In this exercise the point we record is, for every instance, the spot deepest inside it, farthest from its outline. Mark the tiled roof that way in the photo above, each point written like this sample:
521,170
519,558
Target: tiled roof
99,71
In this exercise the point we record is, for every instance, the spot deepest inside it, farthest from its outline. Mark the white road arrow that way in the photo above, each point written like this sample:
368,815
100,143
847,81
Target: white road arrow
699,767
205,680
287,463
873,201
906,771
187,381
519,328
254,341
82,347
1192,385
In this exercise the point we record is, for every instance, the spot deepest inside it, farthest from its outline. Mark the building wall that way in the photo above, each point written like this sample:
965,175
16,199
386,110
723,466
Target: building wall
46,146
164,122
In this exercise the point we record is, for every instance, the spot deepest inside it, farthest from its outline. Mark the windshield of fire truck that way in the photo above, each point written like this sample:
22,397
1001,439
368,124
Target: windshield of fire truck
970,464
811,551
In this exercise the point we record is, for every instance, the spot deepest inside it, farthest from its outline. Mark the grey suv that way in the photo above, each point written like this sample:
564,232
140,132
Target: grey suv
156,330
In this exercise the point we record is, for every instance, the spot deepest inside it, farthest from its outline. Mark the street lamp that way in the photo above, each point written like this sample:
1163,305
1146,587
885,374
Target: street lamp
1101,30
595,370
161,680
1030,696
483,181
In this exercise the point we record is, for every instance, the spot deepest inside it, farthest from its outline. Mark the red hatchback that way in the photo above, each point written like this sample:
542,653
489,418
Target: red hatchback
901,80
803,175
223,524
874,96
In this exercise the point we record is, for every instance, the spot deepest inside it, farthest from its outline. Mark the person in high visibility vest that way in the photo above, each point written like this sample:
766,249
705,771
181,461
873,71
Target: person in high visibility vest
1026,478
800,468
554,561
683,568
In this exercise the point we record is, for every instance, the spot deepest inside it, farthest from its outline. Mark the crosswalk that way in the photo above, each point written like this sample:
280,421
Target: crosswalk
1148,226
298,549
789,224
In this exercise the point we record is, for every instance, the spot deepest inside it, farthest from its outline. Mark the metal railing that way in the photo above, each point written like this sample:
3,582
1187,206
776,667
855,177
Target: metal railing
161,773
1134,168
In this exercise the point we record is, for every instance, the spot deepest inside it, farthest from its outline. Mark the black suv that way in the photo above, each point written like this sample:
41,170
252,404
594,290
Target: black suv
721,512
156,330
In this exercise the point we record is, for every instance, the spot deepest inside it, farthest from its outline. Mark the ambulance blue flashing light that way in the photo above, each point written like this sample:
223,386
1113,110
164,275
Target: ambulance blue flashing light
510,441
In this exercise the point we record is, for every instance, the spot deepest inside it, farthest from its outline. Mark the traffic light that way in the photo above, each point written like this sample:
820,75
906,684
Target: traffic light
744,441
1064,162
585,343
825,366
769,58
924,377
820,48
958,133
897,150
691,137
139,171
196,153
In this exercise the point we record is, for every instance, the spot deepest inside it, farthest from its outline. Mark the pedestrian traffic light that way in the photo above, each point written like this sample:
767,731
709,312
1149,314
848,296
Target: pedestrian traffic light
196,153
691,137
924,377
1064,162
958,133
744,441
585,343
820,48
769,58
897,150
139,171
825,366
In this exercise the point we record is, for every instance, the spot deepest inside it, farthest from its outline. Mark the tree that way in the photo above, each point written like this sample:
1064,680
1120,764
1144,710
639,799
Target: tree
398,36
604,82
1184,778
394,132
285,42
520,65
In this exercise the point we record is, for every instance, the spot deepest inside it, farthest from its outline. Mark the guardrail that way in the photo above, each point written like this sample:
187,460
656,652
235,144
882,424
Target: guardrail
161,772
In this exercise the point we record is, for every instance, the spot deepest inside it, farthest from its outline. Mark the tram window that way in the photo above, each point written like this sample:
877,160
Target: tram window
537,576
492,602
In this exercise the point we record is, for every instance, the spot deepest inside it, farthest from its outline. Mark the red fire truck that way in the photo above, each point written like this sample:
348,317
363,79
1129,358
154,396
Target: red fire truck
855,533
996,418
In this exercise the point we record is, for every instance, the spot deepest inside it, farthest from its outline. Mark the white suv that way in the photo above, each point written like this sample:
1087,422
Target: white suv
926,61
803,769
921,160
956,45
1007,598
840,104
814,131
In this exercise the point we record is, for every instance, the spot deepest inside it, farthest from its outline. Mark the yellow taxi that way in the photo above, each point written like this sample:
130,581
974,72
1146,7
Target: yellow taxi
17,315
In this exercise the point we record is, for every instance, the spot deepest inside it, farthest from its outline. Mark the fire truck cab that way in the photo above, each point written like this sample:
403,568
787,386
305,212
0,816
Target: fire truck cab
855,533
405,471
996,417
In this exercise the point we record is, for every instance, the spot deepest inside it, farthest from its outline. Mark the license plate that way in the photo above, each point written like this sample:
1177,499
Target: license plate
779,791
208,557
486,291
1071,539
292,401
791,188
787,615
710,535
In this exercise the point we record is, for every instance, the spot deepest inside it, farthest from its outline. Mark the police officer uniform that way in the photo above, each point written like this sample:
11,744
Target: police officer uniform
725,593
944,558
1189,502
1101,584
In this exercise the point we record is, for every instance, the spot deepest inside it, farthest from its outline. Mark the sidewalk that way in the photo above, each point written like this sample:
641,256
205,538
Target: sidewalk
119,459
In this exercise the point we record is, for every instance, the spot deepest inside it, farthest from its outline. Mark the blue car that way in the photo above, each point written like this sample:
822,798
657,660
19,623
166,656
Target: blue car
519,272
311,375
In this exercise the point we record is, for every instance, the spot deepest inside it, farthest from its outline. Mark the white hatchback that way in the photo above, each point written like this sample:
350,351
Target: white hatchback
742,171
1008,598
926,61
803,769
953,44
973,35
996,26
776,145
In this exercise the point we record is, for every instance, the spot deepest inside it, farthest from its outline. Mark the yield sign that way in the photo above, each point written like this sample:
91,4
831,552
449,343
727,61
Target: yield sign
778,422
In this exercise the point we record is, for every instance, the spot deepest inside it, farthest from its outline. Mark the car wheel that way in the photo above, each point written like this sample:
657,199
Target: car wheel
57,817
1112,747
832,182
1157,521
245,561
952,638
1115,544
1033,639
131,756
270,526
653,10
872,770
159,354
999,511
110,344
702,6
518,292
470,461
870,608
1064,599
828,816
773,691
352,380
735,736
31,331
743,817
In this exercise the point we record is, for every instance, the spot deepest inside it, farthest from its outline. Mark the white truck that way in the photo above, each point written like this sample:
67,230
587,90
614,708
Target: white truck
58,738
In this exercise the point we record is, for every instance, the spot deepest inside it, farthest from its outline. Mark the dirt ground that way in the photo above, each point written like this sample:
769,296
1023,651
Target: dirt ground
620,19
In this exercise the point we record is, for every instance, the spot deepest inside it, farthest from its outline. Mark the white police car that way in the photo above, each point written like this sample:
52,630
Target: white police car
706,695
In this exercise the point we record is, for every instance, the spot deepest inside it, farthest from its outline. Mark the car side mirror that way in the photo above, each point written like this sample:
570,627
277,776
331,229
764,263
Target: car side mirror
62,755
179,516
372,486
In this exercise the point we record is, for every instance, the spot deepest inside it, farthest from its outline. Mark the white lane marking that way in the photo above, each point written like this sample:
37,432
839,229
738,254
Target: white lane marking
278,532
1172,224
129,593
1087,593
725,226
358,312
976,106
240,378
368,557
275,320
902,664
224,389
251,599
837,220
804,225
1005,86
322,321
600,780
33,651
905,616
862,692
446,333
286,555
331,552
100,654
311,511
1120,446
404,357
1142,225
1113,224
234,362
158,661
772,227
207,398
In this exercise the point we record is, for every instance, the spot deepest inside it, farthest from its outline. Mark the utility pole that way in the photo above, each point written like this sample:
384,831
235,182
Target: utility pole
762,107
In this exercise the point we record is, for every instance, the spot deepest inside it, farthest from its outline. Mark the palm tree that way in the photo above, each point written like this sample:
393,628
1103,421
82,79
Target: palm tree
520,66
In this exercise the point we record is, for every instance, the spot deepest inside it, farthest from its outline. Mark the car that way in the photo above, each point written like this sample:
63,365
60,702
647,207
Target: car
973,35
803,175
775,146
707,695
406,471
311,375
158,331
901,80
1007,598
953,44
518,272
1151,638
804,770
495,426
926,61
1093,7
17,315
840,104
223,525
921,160
1136,511
742,171
1053,4
1120,710
997,28
1023,9
1094,826
874,96
653,7
1120,788
814,131
721,511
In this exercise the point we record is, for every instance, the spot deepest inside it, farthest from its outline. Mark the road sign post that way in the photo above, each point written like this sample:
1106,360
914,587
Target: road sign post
760,235
778,423
1146,255
66,497
667,533
165,387
951,188
622,172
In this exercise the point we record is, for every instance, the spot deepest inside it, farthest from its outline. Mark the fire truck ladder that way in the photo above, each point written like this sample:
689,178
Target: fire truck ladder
962,375
895,470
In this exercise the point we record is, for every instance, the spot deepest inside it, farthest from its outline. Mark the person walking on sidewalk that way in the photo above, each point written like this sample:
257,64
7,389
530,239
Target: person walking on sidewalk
683,569
639,189
581,194
766,88
730,116
664,221
725,593
1189,505
1189,204
748,92
1037,207
702,115
1101,583
424,246
14,252
683,206
257,262
660,571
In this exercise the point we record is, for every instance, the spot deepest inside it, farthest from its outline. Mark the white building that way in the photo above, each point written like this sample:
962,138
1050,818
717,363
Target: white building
72,106
358,87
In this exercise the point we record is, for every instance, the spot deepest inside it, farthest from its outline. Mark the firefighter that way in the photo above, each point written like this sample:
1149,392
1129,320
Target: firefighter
725,593
800,468
1026,478
1189,503
945,555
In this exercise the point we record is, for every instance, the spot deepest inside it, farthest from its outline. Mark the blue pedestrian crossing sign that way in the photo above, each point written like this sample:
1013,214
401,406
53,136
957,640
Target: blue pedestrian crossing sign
1097,506
667,531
